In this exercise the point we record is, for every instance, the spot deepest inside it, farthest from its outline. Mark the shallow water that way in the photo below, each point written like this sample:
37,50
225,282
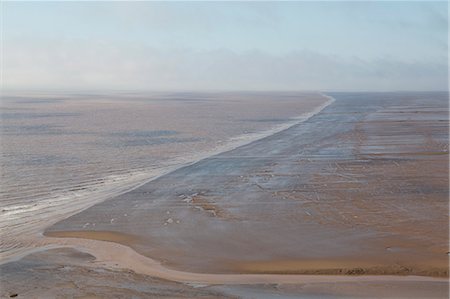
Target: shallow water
361,187
63,152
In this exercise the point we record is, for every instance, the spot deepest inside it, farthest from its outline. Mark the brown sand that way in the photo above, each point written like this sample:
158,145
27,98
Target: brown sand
359,189
324,266
366,194
96,235
116,256
69,273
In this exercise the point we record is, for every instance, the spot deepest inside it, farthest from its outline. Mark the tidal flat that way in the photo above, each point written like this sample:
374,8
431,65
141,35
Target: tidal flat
352,199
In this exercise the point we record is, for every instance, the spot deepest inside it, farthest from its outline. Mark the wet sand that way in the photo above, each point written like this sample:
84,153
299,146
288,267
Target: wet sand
360,188
113,142
67,272
363,184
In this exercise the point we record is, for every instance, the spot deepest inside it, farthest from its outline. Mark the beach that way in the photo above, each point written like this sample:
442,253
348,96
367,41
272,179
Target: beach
350,198
63,152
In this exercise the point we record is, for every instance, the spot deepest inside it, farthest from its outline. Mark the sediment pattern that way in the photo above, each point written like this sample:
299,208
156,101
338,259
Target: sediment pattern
360,188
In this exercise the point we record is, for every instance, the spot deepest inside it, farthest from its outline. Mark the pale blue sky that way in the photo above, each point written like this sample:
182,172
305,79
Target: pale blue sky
220,45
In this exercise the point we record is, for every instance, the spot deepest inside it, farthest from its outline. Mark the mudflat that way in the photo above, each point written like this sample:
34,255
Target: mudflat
348,203
360,188
69,273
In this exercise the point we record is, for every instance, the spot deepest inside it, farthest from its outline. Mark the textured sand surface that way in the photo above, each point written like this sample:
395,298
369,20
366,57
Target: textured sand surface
360,188
64,153
68,273
110,270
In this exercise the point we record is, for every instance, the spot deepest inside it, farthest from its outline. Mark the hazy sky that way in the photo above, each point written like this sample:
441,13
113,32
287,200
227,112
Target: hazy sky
231,46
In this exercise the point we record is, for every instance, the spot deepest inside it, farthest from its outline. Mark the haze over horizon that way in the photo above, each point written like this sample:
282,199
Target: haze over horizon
371,46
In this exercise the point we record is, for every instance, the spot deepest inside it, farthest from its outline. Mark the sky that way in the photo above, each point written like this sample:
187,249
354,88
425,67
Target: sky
354,46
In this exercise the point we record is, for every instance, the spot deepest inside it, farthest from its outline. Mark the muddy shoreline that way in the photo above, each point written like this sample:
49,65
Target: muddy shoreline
356,194
353,183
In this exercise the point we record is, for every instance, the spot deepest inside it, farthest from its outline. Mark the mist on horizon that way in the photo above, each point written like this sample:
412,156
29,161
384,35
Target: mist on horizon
376,46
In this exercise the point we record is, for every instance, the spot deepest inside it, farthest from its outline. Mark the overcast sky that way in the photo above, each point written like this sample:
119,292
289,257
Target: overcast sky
225,46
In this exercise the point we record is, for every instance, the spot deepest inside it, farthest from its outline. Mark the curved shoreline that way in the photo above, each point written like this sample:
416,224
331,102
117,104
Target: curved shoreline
344,266
113,255
11,251
116,256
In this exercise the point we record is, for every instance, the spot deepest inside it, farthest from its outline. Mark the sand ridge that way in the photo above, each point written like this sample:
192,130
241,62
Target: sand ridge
117,256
